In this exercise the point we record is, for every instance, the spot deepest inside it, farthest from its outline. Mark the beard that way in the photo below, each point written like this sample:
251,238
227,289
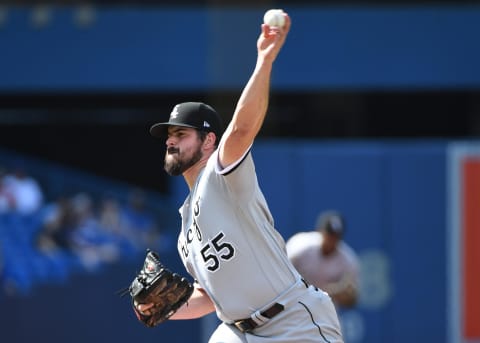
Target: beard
176,163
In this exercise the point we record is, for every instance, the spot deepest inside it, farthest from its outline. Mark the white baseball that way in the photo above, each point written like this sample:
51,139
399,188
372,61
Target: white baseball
274,17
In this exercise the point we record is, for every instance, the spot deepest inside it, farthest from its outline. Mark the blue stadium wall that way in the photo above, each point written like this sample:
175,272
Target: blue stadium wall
192,48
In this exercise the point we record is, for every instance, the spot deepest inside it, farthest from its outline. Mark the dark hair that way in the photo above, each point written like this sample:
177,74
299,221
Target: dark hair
332,222
202,135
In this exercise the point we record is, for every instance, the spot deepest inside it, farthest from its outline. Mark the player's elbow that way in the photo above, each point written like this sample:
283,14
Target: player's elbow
244,131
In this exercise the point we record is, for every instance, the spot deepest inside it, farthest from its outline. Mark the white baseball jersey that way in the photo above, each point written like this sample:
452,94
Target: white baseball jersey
228,242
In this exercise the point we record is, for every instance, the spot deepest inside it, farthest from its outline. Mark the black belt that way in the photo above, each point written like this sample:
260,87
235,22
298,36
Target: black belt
248,324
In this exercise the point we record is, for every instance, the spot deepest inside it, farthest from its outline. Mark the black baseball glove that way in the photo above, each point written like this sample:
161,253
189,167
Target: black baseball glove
156,284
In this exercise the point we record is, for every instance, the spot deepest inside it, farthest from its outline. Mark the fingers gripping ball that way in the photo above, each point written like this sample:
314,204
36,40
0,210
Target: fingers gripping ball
274,17
157,285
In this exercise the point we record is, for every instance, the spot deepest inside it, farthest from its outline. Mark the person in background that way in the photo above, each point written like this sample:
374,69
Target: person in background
25,192
7,200
139,224
325,260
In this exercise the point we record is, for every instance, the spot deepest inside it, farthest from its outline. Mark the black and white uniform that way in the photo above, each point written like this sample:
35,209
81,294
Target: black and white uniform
228,243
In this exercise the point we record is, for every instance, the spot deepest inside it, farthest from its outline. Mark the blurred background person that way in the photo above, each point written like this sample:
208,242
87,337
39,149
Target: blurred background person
138,222
88,239
7,200
325,260
56,226
25,193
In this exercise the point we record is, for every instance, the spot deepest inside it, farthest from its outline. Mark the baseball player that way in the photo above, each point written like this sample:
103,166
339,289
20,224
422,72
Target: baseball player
324,259
228,242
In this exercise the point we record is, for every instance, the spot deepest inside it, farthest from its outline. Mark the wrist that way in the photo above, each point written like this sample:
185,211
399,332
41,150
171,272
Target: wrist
263,66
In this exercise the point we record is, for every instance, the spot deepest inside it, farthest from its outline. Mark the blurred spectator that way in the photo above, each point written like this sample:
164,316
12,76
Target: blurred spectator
57,224
138,221
325,260
110,217
23,192
6,198
112,221
88,240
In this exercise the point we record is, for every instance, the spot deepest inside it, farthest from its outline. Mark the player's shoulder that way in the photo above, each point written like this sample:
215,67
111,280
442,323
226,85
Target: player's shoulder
305,234
303,239
348,252
214,161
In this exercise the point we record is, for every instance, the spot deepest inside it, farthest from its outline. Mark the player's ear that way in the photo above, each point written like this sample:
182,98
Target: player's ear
210,140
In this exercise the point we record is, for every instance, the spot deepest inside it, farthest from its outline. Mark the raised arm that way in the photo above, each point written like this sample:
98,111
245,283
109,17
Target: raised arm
253,103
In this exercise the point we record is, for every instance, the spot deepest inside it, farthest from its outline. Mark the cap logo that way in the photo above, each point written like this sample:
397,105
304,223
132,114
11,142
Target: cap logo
206,124
174,113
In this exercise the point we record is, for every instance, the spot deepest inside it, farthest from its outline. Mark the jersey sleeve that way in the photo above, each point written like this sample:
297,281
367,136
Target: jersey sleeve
240,176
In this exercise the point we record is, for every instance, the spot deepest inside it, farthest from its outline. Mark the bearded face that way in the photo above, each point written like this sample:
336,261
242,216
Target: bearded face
178,160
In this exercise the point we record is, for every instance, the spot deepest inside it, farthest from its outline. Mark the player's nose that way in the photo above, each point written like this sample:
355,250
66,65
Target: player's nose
170,141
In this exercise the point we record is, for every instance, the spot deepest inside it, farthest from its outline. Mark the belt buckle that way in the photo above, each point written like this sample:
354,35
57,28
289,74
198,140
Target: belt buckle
244,325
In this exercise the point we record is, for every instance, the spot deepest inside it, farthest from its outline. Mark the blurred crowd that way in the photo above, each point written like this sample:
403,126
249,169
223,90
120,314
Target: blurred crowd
46,240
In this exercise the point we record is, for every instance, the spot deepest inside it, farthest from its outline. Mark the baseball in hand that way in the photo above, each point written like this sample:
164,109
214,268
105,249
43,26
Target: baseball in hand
274,17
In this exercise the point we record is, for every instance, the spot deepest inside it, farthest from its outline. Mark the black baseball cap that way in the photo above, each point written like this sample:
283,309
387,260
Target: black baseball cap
196,115
332,222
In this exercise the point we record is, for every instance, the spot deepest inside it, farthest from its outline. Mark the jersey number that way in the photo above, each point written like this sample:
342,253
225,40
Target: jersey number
221,250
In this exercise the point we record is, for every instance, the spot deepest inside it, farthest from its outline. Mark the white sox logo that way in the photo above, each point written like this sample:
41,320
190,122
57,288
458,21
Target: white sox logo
214,251
193,230
174,113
